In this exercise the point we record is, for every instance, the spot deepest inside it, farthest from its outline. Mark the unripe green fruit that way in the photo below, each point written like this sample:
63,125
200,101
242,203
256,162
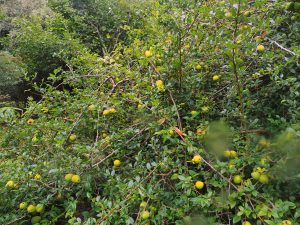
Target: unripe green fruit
36,219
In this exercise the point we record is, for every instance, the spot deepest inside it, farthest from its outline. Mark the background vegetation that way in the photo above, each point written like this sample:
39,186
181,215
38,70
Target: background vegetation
150,112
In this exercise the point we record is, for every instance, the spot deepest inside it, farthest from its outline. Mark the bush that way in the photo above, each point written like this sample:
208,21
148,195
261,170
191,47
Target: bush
194,120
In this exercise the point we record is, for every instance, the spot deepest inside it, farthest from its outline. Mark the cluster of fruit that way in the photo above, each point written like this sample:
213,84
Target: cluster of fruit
107,112
33,209
74,178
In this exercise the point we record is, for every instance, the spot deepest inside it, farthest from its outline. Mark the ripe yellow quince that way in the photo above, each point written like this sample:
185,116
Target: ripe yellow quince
68,177
196,159
37,177
22,205
148,53
145,215
10,184
237,179
216,77
117,163
199,185
75,179
143,204
264,179
72,137
246,223
260,48
31,209
286,222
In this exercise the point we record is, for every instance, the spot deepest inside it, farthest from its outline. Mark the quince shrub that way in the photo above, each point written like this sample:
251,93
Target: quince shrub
139,156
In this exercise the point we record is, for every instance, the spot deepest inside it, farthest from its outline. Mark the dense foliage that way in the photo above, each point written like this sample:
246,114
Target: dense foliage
155,112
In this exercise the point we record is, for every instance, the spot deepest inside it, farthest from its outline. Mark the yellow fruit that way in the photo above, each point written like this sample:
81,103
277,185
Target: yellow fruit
34,139
231,165
216,77
160,85
30,121
140,106
36,219
264,179
91,107
40,208
205,109
194,113
75,179
31,209
246,223
22,205
199,184
10,184
196,159
255,175
227,153
37,177
68,177
117,163
198,67
286,222
72,137
260,48
145,215
148,53
233,154
143,204
106,112
237,179
112,110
